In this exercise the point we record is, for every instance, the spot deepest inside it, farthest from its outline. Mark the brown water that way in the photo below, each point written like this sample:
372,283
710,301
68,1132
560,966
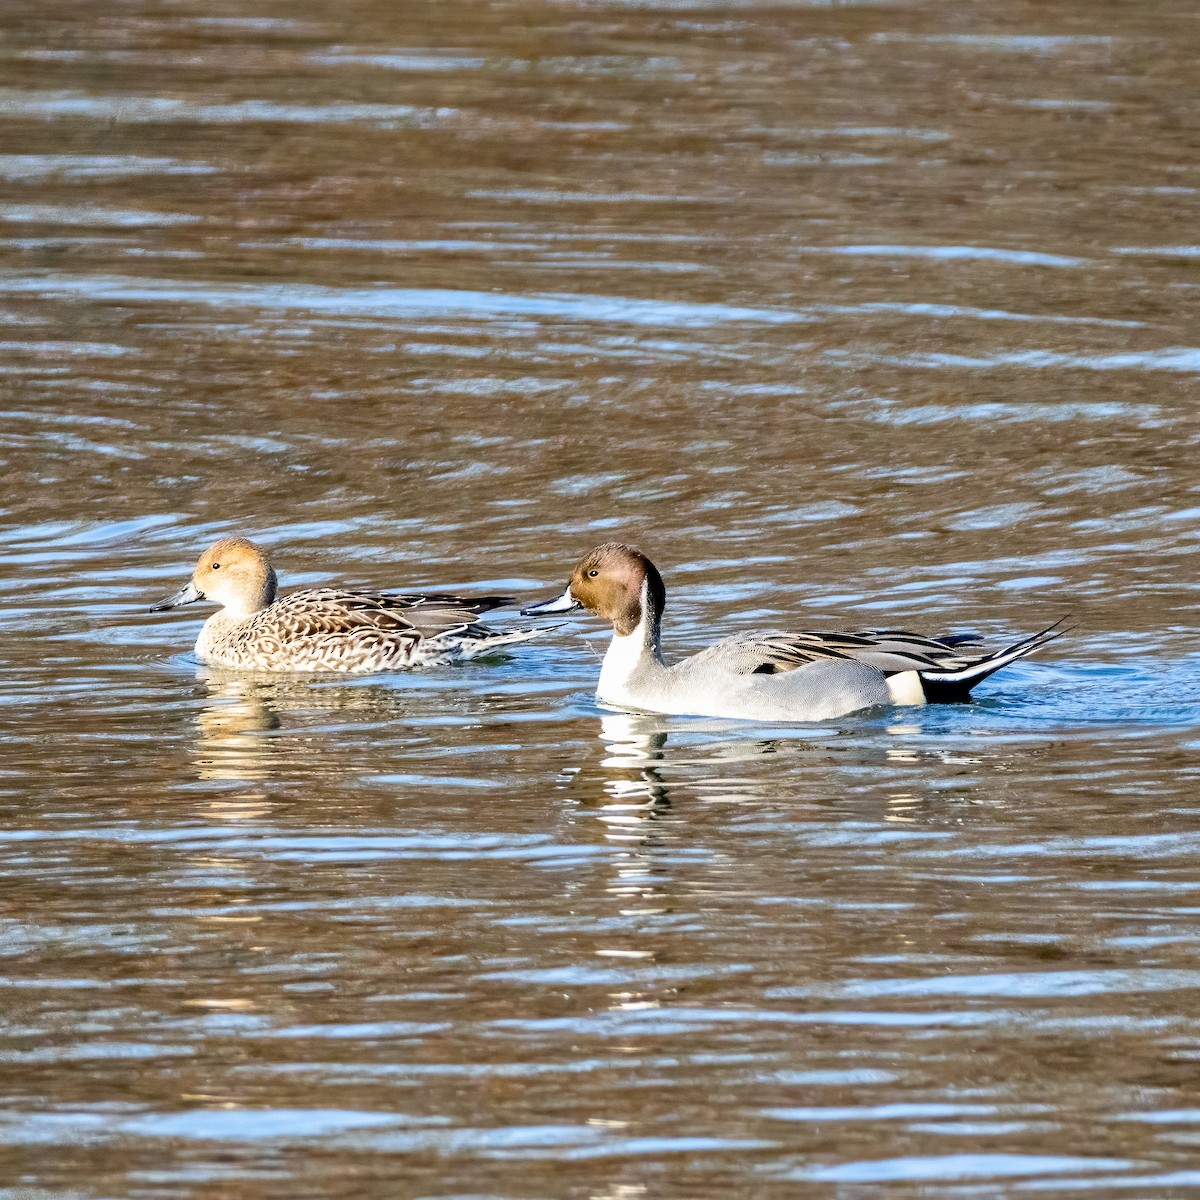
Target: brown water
848,314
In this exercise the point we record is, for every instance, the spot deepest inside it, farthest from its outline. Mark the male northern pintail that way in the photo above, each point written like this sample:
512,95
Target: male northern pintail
768,675
325,629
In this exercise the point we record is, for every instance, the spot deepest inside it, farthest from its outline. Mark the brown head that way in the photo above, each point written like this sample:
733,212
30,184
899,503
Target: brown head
614,581
234,573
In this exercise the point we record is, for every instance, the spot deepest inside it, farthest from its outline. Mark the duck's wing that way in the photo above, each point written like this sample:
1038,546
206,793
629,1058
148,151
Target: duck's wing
470,604
434,613
774,652
896,650
331,610
948,667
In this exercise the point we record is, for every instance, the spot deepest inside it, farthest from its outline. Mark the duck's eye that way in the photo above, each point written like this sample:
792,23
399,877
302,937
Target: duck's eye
216,566
593,573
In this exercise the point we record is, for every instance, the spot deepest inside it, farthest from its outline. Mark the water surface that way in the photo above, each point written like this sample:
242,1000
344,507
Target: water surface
864,314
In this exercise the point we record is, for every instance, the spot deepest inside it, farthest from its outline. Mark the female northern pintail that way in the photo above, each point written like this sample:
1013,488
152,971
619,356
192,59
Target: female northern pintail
325,629
768,675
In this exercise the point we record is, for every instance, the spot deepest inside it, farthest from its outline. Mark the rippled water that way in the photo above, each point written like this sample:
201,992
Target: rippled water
848,314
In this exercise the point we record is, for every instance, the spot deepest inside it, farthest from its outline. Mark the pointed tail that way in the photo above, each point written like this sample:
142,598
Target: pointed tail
947,686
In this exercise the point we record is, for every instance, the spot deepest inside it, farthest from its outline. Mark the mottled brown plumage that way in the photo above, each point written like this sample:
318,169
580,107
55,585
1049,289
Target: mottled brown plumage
328,629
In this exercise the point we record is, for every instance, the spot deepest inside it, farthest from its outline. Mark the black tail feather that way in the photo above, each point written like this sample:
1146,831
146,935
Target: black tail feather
942,687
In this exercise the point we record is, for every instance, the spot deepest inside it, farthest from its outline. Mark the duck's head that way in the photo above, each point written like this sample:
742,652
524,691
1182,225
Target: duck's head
234,573
616,582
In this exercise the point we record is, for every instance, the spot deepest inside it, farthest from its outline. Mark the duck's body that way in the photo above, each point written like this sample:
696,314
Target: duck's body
768,675
330,630
326,629
726,680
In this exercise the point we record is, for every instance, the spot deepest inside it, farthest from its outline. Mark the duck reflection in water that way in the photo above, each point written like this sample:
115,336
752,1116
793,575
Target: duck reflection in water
636,745
631,799
242,728
230,741
629,780
656,876
626,788
625,791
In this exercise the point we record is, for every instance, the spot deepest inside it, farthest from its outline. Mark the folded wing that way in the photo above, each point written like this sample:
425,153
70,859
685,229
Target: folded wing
948,667
329,610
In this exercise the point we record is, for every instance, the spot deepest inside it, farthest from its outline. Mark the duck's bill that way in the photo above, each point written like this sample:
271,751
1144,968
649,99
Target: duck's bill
188,594
560,604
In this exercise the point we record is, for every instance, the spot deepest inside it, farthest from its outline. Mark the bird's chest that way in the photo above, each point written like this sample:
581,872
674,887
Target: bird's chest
625,665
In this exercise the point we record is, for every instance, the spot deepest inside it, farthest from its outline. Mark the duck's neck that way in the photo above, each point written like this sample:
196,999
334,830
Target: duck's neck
242,604
225,623
633,657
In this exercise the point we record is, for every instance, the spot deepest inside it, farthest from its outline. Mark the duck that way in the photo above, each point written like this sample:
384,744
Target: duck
766,675
328,629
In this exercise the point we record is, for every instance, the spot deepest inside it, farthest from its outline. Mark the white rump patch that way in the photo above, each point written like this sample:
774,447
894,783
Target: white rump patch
906,688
